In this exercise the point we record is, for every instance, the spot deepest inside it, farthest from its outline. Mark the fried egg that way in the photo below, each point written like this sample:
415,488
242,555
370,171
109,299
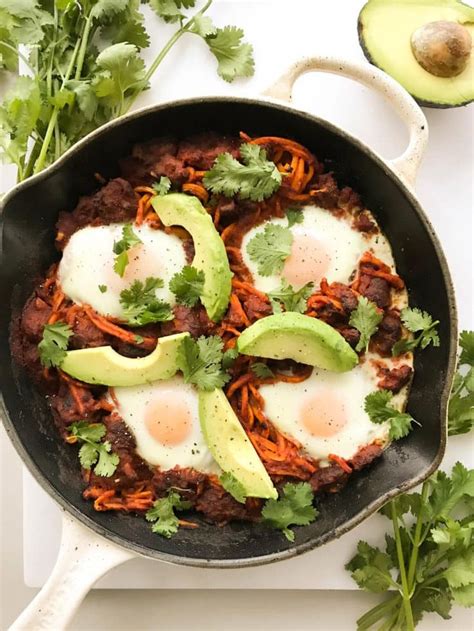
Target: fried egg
324,246
325,413
164,418
87,265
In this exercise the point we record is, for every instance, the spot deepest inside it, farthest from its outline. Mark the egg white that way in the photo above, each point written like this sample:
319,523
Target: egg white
285,402
135,404
88,262
341,247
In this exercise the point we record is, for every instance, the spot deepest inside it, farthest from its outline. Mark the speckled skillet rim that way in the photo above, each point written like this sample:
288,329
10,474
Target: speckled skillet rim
337,532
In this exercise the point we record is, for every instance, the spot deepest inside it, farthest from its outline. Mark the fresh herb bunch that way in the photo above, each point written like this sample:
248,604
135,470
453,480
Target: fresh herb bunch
429,561
85,67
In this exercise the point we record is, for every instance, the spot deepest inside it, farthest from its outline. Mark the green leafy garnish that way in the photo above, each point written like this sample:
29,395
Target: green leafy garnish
93,451
294,216
162,514
256,179
141,306
377,406
416,320
229,357
292,299
102,288
233,486
461,402
129,240
188,285
200,361
270,248
366,319
295,506
234,57
429,560
261,370
162,186
52,348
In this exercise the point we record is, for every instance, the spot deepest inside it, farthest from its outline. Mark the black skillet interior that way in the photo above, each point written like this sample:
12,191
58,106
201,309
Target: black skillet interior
29,218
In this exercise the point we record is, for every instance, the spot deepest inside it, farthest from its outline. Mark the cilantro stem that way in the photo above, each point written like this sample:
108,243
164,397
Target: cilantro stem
377,612
403,576
83,48
20,55
417,537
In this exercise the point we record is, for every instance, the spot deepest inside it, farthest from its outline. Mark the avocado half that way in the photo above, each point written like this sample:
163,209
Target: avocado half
386,35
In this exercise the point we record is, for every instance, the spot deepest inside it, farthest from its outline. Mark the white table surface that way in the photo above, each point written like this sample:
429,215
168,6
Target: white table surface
445,190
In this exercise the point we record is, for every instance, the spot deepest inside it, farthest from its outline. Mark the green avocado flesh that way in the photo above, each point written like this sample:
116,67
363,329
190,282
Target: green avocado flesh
301,338
230,446
210,254
104,366
385,31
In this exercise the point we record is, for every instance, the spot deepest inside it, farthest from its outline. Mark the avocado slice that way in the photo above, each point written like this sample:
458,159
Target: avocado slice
210,254
405,38
295,336
102,365
230,446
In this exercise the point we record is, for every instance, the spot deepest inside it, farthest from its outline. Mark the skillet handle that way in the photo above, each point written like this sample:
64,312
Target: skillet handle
83,558
406,166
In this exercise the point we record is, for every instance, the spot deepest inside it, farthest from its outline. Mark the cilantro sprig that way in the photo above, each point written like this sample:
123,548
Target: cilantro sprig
461,402
93,451
256,179
229,357
71,87
120,248
233,487
141,306
53,345
162,186
293,507
188,285
420,322
429,560
200,361
366,319
162,514
377,406
261,370
292,299
294,216
270,248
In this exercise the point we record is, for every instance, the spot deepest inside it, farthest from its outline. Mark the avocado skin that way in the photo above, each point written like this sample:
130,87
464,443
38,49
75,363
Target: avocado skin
370,59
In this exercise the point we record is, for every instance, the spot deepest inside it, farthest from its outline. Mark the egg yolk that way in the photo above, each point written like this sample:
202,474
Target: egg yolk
323,415
308,261
168,422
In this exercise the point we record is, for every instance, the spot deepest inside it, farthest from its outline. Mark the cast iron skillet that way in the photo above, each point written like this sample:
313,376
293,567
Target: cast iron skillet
30,212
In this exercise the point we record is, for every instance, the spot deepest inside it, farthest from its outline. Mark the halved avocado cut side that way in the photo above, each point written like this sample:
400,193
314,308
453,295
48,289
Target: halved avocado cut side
210,254
385,34
230,445
104,366
301,338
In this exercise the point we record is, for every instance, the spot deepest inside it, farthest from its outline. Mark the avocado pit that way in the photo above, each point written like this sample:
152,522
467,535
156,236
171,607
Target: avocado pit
442,48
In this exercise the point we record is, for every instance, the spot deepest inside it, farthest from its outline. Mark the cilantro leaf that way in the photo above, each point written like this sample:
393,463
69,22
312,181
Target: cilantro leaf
256,179
141,306
233,486
229,357
370,568
53,345
379,411
294,216
162,186
366,319
234,57
162,514
102,288
203,26
416,320
92,451
295,506
188,285
129,240
461,402
201,362
261,370
170,10
293,300
270,248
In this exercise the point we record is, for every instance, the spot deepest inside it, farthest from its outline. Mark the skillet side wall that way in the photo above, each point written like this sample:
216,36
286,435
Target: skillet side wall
29,219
